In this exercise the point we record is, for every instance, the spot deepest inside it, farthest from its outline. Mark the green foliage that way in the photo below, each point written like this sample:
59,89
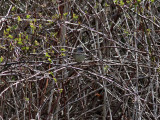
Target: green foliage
10,36
63,49
116,1
55,79
20,41
55,34
75,17
106,5
8,29
60,90
26,99
55,16
52,74
36,43
138,1
49,59
19,19
47,55
1,59
13,8
40,26
128,1
33,27
65,14
25,48
106,68
28,16
53,51
5,33
26,37
121,3
63,52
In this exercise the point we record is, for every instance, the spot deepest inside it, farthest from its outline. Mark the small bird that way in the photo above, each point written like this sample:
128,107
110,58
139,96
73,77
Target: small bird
79,54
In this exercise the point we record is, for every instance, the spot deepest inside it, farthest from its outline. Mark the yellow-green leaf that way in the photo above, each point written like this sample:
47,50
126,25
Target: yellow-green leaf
75,16
47,55
55,79
1,59
28,16
36,42
49,59
19,19
61,90
10,36
26,99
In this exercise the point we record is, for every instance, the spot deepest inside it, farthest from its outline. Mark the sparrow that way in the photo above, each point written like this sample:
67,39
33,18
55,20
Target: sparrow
79,54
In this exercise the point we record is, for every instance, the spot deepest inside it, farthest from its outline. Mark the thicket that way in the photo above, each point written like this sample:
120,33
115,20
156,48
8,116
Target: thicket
119,79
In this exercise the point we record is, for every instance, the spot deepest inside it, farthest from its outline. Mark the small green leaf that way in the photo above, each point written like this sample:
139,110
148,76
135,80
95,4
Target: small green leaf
138,1
63,49
20,43
61,90
55,79
106,67
26,37
16,39
56,16
27,48
63,54
49,59
51,73
10,36
35,20
148,31
47,55
75,16
40,26
53,51
34,50
115,1
36,43
128,1
106,5
20,35
23,48
121,3
8,29
26,99
28,16
13,8
5,33
65,14
19,19
55,34
32,27
1,59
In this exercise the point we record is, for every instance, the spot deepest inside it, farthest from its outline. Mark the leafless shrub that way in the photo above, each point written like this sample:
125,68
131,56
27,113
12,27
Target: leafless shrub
119,79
